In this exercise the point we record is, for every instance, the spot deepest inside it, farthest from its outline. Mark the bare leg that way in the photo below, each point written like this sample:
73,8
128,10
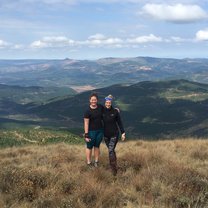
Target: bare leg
88,155
96,153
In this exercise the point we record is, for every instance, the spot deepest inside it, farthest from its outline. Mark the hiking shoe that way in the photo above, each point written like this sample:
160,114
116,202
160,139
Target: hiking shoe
114,172
90,165
96,164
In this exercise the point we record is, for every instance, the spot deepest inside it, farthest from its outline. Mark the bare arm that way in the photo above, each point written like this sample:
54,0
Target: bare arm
86,129
86,125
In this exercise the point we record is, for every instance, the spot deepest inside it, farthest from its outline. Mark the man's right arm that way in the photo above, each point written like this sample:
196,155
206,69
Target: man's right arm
86,129
86,125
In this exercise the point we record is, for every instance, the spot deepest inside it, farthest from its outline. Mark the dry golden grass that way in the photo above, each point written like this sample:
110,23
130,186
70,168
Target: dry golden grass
162,174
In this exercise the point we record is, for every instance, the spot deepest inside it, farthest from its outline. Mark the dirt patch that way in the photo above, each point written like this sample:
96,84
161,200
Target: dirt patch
82,88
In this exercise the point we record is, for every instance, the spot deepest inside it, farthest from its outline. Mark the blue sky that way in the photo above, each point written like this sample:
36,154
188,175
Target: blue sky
91,29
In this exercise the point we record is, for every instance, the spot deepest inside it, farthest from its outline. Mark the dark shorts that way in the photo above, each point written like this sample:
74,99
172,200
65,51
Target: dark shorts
96,138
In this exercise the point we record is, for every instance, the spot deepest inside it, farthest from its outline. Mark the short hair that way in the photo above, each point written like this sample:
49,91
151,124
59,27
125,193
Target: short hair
93,95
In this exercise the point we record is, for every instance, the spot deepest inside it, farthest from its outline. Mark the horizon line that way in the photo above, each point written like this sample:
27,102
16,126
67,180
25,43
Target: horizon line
93,59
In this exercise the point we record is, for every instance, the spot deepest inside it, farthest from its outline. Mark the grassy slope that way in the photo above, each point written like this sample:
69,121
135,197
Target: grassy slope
20,137
159,174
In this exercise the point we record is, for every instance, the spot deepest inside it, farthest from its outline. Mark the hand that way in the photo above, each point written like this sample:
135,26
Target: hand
123,136
87,139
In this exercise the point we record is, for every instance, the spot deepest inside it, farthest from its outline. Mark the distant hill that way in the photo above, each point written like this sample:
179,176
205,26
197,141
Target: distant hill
15,101
162,109
33,94
101,72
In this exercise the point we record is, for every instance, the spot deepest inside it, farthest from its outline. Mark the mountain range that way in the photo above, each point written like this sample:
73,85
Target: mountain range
100,73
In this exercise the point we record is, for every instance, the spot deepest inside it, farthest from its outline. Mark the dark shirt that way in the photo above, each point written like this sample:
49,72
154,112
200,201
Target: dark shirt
112,122
95,117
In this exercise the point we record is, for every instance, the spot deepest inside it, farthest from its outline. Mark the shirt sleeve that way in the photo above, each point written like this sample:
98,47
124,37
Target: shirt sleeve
119,122
87,114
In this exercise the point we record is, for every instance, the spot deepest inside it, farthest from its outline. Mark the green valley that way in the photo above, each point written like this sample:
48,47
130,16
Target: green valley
151,110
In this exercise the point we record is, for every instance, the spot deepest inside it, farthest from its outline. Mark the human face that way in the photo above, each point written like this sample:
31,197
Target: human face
107,103
93,101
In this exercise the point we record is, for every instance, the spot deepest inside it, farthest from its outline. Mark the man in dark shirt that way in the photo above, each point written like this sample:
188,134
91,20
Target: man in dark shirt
112,124
93,127
95,117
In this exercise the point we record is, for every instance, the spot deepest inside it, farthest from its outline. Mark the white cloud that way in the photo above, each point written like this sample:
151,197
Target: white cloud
97,40
145,39
97,36
101,40
18,46
38,44
179,39
177,13
4,44
7,45
57,39
202,35
52,41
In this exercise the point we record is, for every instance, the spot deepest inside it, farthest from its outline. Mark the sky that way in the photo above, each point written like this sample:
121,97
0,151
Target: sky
93,29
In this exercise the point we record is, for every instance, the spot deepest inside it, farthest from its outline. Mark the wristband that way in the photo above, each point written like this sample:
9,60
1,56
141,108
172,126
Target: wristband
86,135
